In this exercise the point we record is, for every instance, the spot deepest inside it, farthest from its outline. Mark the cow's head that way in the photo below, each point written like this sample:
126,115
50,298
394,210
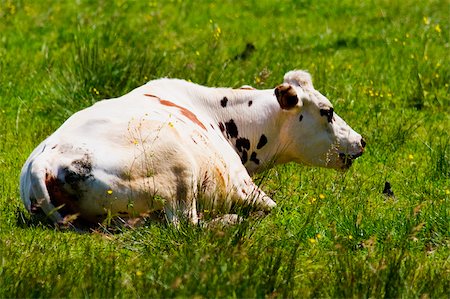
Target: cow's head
313,133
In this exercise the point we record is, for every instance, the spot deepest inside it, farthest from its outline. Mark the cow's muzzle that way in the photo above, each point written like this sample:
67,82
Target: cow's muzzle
347,159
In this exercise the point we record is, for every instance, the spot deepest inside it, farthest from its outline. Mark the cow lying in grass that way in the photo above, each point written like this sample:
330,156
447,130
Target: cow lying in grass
173,146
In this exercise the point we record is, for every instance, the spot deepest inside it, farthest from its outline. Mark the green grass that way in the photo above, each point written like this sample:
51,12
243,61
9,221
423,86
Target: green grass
384,65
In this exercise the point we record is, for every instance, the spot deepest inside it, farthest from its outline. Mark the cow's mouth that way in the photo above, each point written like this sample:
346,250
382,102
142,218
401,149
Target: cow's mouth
347,159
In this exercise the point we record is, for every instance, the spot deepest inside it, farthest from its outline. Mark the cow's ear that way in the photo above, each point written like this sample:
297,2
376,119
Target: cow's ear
286,96
299,78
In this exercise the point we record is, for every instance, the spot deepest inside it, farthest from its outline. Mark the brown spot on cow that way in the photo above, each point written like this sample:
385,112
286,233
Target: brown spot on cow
221,127
221,184
186,112
286,96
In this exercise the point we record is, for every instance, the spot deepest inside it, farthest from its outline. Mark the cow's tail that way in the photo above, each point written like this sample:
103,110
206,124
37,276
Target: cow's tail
33,188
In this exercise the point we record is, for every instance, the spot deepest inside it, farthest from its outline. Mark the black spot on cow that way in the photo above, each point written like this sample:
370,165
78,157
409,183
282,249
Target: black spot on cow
224,102
250,103
244,157
328,113
262,141
232,129
242,143
301,117
254,159
79,171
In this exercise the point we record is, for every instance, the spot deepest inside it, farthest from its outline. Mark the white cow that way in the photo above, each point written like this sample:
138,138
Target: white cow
173,146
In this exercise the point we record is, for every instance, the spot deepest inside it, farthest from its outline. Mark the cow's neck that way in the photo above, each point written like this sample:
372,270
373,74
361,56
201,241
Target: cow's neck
250,121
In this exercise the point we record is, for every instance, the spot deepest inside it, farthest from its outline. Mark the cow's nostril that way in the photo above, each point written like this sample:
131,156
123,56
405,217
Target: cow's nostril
363,143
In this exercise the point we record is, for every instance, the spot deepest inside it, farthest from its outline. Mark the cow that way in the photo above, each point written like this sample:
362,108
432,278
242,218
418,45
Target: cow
174,147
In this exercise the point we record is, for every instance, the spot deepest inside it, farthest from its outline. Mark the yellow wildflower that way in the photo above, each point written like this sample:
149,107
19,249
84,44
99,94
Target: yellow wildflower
109,192
312,240
217,33
410,157
139,273
321,196
11,7
437,28
318,236
426,20
350,237
447,192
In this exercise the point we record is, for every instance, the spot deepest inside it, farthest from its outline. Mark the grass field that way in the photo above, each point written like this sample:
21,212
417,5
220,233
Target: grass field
384,65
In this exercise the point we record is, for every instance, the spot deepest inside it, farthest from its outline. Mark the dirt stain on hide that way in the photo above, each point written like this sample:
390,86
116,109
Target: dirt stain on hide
64,202
65,193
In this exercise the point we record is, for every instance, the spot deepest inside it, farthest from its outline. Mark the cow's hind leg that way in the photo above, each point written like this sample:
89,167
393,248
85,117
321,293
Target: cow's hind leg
181,203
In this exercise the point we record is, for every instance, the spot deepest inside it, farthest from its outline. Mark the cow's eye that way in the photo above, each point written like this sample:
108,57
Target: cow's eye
328,113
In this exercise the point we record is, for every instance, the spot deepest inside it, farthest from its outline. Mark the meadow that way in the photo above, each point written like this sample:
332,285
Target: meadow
383,64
